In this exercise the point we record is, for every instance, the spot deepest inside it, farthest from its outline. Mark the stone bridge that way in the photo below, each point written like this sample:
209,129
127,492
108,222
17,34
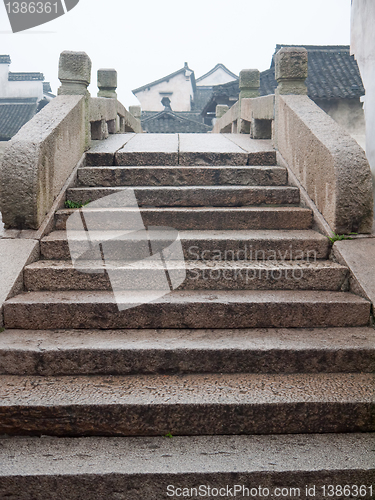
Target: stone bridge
179,310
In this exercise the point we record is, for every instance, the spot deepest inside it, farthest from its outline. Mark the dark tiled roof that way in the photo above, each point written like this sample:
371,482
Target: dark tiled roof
168,121
218,66
332,74
22,77
14,113
46,87
5,59
168,77
201,97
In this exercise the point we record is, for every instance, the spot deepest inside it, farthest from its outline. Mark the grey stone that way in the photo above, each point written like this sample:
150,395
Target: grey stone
291,70
249,83
149,149
14,256
221,109
180,175
103,152
136,111
107,83
230,245
74,73
127,352
196,196
183,218
132,468
187,309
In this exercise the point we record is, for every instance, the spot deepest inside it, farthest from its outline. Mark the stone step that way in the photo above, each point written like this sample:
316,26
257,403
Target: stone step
182,218
185,309
200,275
189,404
182,176
130,352
261,245
194,196
94,468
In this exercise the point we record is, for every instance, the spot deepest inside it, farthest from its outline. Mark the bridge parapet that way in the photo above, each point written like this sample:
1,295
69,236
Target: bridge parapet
323,159
41,157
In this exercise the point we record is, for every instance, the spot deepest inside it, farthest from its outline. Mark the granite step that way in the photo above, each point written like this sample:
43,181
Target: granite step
182,218
130,352
185,309
200,275
194,196
227,245
103,176
93,468
188,404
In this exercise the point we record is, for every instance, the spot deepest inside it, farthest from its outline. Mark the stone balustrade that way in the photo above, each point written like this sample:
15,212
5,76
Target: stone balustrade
322,158
41,157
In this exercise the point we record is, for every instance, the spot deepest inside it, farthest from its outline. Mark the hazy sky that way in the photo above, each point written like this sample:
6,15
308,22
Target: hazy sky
146,40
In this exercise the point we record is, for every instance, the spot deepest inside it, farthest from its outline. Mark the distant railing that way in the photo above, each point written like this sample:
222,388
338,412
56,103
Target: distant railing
324,159
40,158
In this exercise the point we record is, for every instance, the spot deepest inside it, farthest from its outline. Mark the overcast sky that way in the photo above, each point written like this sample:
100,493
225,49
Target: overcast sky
145,40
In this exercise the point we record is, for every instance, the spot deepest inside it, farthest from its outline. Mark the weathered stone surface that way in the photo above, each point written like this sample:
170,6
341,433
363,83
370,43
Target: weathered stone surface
132,468
103,152
182,176
230,245
249,83
260,152
74,73
149,149
183,218
209,149
196,196
187,309
359,256
107,83
221,109
14,256
328,163
36,166
153,405
136,111
291,70
122,352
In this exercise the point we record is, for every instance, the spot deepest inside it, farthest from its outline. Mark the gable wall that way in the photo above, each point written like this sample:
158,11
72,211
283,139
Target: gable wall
219,77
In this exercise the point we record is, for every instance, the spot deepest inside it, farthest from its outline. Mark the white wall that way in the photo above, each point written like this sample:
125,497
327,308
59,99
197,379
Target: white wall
219,77
181,88
363,48
23,89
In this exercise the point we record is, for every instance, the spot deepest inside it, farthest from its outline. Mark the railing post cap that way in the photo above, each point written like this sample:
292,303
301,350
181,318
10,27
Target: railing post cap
107,78
291,63
136,111
249,78
220,110
75,67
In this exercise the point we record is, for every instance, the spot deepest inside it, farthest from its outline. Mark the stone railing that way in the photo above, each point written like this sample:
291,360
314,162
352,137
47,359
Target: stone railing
325,161
39,160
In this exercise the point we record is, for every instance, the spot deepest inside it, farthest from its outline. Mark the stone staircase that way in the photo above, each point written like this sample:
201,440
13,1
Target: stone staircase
260,364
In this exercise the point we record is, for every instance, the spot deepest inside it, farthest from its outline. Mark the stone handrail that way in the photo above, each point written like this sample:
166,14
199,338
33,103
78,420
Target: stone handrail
325,160
39,159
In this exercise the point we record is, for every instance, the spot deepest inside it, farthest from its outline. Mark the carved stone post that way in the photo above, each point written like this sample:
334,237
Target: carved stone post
249,83
74,73
107,83
136,111
220,111
75,77
291,71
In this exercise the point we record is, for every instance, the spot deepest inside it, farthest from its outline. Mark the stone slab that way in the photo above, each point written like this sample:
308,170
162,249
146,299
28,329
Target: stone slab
200,275
191,404
149,149
186,309
14,256
184,218
359,255
183,176
209,149
103,152
228,245
195,196
94,468
126,352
